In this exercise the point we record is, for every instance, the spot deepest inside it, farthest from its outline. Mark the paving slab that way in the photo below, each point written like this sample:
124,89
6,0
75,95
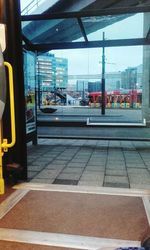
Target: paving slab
32,174
115,162
117,185
139,179
82,157
116,179
72,170
96,176
42,180
37,163
115,172
60,162
147,163
114,166
48,173
140,186
35,168
76,165
96,163
138,161
135,165
138,171
54,166
65,182
78,160
63,158
69,176
98,159
95,168
91,183
115,159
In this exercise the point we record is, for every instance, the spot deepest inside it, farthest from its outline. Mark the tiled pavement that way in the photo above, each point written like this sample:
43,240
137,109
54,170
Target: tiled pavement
90,163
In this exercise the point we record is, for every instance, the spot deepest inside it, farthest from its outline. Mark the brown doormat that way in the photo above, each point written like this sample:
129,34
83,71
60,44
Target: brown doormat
8,191
23,246
107,216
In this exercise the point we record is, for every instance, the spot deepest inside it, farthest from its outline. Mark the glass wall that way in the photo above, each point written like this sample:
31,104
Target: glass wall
115,26
73,79
55,31
29,78
76,83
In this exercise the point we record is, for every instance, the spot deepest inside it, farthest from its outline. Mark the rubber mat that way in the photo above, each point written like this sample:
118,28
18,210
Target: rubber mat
23,246
107,216
8,192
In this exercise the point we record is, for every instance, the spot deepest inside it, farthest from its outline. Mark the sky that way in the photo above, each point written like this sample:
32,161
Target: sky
88,61
24,3
117,58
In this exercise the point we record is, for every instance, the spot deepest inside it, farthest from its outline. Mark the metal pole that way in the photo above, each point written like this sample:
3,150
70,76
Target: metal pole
55,93
13,54
1,162
103,78
38,81
83,91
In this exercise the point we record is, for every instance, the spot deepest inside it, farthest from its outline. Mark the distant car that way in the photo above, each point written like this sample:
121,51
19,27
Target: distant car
84,102
48,110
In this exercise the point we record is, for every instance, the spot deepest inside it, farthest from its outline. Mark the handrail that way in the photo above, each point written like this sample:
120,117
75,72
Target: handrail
6,145
30,6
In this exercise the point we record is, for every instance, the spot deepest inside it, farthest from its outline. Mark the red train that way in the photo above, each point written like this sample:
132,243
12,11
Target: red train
117,99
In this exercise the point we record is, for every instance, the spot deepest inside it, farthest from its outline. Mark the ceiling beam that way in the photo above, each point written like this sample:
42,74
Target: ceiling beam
93,44
111,4
82,29
148,34
28,43
98,12
100,4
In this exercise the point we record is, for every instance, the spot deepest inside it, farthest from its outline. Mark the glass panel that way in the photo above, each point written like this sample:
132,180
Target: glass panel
115,27
35,6
124,82
68,30
67,84
79,99
52,31
29,79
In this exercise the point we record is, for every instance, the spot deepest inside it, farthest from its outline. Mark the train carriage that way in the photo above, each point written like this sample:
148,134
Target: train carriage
117,99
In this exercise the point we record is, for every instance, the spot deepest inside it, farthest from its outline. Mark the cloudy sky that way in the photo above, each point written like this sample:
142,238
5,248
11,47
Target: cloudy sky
24,3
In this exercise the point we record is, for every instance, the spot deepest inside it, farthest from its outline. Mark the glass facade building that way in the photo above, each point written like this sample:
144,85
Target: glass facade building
52,72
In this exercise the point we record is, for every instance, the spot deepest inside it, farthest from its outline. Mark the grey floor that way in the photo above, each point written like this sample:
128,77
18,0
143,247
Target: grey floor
124,164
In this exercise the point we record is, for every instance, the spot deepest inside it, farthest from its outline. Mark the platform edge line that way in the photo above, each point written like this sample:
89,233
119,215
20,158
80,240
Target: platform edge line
83,189
146,203
63,240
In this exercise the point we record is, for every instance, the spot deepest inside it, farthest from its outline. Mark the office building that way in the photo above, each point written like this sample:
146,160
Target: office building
52,72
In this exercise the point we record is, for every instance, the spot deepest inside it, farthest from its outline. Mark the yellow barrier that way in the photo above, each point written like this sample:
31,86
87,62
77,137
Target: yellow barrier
4,145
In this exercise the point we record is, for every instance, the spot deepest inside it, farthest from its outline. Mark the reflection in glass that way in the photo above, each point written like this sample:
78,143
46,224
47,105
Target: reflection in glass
52,31
115,26
82,80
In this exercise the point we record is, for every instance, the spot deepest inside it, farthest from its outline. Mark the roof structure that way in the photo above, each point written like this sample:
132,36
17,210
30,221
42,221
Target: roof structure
67,24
